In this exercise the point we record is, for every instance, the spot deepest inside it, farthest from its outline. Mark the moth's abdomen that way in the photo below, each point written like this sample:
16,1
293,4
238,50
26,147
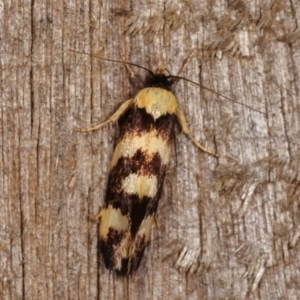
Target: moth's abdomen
134,187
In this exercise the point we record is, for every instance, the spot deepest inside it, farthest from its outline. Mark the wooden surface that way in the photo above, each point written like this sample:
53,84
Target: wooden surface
228,227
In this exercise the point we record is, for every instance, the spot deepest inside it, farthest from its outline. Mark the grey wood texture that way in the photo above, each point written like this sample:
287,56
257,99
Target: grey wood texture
228,227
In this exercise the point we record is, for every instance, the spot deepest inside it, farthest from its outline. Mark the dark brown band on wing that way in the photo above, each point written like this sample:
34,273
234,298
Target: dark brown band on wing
132,206
109,245
141,164
136,120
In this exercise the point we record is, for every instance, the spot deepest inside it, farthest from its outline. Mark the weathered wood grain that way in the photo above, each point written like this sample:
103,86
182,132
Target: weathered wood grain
229,227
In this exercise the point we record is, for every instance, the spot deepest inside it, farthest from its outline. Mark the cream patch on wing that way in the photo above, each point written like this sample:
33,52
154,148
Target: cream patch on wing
145,228
143,235
112,218
148,142
143,185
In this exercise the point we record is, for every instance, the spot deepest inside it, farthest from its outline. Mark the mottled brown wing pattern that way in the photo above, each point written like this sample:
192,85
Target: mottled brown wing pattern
134,186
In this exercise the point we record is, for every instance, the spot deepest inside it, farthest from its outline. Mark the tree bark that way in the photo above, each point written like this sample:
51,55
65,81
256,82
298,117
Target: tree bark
228,227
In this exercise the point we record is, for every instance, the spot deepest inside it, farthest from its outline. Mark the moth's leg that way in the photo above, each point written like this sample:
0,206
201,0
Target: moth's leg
185,129
97,217
137,83
124,60
186,61
113,118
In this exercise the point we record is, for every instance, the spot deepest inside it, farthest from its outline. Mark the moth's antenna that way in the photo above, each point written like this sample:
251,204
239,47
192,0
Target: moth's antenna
185,63
211,90
114,60
127,64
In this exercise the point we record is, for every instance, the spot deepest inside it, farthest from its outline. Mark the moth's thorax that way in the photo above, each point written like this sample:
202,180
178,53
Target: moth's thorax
156,101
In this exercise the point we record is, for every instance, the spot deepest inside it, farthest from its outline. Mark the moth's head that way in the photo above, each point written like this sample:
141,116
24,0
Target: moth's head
160,78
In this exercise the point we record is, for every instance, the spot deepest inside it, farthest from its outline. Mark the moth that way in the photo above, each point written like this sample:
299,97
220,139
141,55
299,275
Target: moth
138,167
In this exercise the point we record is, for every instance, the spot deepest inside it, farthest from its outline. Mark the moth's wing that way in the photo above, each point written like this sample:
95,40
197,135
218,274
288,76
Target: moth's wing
134,188
123,238
140,242
115,238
